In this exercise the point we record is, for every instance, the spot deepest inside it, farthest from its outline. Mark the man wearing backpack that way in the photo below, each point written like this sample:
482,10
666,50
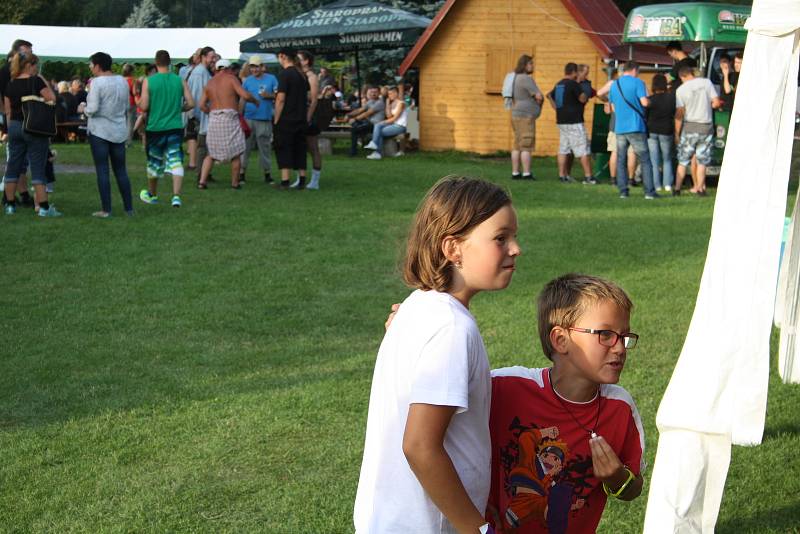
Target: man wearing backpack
628,97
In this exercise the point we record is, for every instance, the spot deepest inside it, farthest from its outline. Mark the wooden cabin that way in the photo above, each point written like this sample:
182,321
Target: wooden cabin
471,45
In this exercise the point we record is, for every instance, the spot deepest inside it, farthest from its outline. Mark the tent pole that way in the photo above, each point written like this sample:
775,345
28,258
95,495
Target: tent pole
358,76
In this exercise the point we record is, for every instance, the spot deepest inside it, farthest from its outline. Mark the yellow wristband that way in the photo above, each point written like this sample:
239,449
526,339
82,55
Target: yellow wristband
621,490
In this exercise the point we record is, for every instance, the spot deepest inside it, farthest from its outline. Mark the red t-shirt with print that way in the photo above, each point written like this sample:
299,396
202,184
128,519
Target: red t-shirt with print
542,479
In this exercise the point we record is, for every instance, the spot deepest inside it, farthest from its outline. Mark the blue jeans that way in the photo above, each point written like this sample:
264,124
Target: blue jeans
385,130
102,151
24,148
638,141
660,147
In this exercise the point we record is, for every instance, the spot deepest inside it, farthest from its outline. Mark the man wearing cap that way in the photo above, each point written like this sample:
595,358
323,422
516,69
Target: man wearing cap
259,116
225,139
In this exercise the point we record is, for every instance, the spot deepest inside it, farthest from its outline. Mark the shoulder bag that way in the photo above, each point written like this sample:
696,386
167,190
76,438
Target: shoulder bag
634,108
39,116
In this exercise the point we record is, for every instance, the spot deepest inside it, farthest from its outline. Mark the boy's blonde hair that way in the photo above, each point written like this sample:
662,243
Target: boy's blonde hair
565,299
453,207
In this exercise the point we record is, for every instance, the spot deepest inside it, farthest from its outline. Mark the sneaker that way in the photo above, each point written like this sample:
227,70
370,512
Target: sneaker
527,176
313,185
668,188
176,202
589,181
49,212
267,178
371,146
295,183
516,176
299,184
101,214
569,179
375,155
652,197
398,154
623,195
10,209
147,198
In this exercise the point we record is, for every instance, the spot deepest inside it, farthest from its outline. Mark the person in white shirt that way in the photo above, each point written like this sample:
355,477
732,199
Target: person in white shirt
426,465
695,101
394,124
107,106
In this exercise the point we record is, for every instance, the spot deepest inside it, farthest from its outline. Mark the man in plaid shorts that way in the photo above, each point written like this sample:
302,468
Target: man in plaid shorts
568,98
695,100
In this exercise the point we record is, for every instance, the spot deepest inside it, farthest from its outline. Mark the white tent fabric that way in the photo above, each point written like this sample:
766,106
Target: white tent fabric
718,391
787,305
133,45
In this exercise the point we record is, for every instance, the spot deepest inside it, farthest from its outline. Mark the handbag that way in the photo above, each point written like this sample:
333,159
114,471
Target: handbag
38,115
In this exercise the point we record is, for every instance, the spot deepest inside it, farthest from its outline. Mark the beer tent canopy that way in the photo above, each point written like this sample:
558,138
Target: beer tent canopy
131,45
345,25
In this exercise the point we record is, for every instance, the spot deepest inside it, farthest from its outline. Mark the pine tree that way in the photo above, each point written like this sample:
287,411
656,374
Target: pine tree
146,15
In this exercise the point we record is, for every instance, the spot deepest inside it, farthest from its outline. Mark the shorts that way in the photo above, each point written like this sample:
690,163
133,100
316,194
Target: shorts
164,153
573,140
312,130
611,144
192,129
695,144
290,145
524,133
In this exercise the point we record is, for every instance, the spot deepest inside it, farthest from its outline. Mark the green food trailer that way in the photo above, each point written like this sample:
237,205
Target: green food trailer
717,28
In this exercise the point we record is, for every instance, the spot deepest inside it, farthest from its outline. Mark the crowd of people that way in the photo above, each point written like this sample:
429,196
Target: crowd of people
221,111
648,128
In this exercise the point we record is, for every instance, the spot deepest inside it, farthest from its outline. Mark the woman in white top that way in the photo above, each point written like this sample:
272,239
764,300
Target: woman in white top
107,107
394,124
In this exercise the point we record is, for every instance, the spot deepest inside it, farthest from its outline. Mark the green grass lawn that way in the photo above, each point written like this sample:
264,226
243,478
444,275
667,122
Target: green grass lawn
207,369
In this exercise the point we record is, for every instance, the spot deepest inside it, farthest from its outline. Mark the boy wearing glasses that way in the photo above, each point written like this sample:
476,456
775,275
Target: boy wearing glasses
566,437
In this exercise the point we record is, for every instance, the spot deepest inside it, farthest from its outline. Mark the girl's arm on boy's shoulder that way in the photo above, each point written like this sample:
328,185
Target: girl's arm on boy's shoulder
423,446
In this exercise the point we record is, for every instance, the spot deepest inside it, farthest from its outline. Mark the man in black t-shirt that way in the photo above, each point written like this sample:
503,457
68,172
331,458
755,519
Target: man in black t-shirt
675,51
291,103
568,98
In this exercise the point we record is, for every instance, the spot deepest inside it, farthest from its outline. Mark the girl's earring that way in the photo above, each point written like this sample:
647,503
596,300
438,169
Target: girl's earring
458,264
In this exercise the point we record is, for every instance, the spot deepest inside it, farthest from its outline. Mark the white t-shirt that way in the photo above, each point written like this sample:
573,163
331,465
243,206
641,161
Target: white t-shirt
696,96
432,353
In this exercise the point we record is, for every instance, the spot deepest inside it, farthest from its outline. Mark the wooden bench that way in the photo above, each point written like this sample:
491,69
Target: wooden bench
391,145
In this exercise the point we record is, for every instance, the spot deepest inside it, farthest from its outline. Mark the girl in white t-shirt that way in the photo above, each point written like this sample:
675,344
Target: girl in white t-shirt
426,466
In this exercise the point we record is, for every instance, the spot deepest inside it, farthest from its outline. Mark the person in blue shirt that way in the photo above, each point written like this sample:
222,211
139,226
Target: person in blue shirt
263,86
628,97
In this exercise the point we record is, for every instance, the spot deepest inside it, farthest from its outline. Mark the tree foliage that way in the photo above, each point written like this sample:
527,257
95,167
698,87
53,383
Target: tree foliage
267,13
146,15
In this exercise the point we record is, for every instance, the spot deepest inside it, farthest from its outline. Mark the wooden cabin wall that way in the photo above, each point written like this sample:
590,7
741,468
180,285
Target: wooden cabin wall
477,43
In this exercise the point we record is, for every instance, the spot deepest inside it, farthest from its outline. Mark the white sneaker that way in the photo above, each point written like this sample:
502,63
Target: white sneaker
374,155
668,188
371,146
399,153
295,183
313,184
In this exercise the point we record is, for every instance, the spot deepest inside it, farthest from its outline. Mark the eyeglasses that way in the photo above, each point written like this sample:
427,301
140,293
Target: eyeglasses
609,338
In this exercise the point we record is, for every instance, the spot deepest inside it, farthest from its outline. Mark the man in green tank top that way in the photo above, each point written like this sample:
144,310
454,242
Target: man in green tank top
164,96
